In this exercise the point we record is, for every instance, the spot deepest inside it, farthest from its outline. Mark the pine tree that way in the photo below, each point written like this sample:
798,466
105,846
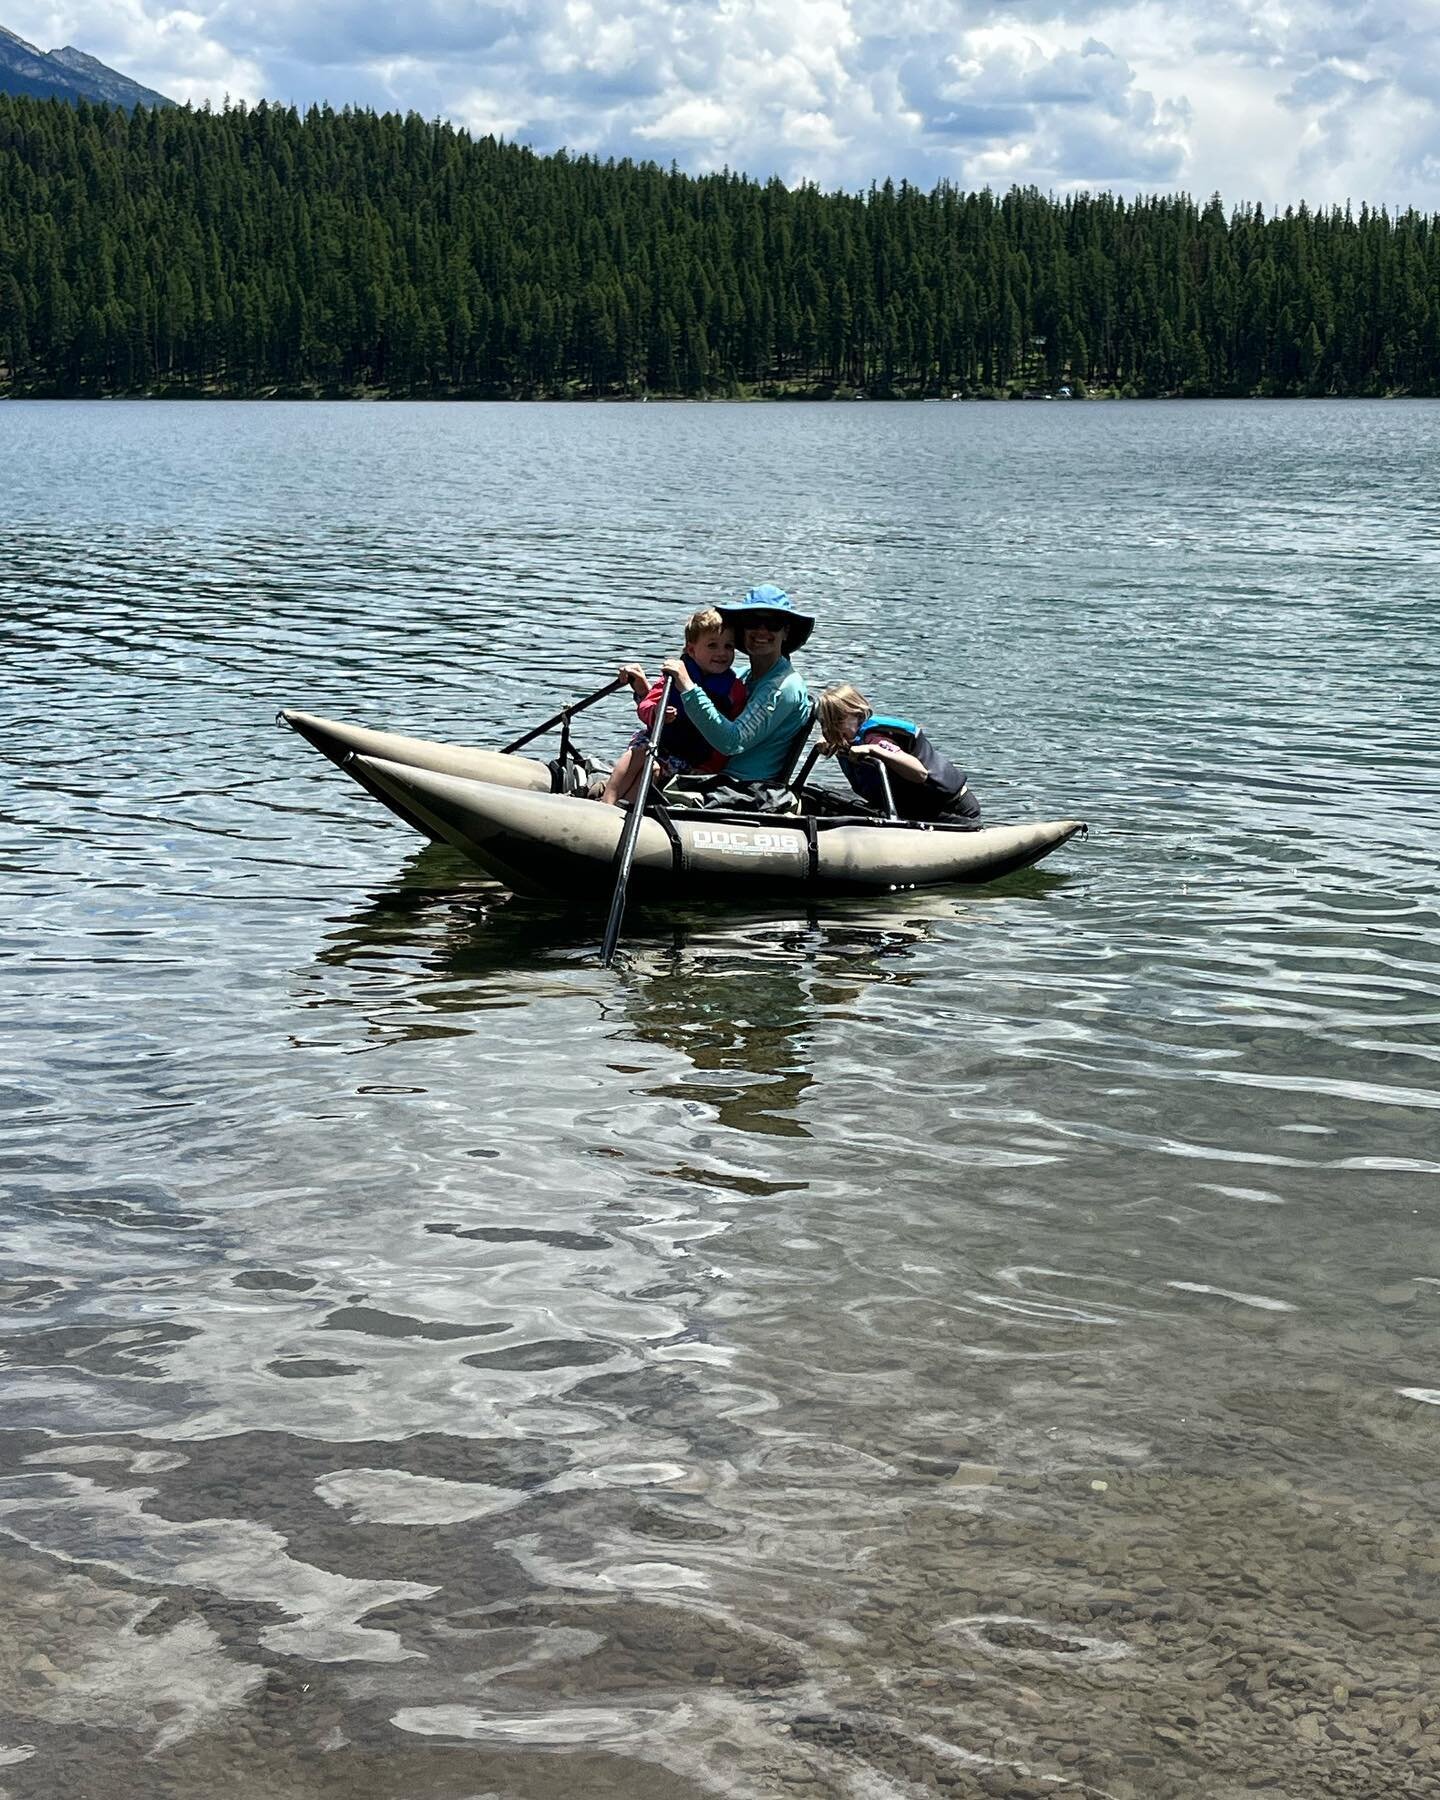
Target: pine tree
254,248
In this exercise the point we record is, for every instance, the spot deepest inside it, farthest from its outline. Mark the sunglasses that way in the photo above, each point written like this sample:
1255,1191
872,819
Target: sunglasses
765,622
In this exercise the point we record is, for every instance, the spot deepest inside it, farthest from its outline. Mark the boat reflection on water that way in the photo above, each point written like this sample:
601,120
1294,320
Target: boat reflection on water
437,944
739,995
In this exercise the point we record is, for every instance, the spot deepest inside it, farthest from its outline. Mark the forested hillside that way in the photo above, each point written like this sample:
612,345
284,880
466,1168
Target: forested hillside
255,250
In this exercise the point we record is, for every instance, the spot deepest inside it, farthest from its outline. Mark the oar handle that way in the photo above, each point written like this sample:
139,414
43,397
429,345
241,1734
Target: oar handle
884,774
565,713
625,853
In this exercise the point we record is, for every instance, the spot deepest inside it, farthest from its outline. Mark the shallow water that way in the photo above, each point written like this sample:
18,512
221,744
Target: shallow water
963,1343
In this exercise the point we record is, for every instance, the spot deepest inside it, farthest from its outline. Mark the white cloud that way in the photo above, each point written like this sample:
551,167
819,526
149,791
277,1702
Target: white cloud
1260,99
488,113
695,117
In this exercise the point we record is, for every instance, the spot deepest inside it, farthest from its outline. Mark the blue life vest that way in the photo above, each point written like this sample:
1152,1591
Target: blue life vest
944,794
886,726
680,737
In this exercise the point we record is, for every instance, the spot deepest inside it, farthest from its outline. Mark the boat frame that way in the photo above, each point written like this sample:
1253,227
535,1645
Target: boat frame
712,835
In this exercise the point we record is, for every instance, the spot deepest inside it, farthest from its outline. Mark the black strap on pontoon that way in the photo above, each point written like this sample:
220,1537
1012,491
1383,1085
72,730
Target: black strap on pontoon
660,812
812,843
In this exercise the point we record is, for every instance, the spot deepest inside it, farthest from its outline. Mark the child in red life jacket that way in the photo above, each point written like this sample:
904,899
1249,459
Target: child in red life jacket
923,783
709,656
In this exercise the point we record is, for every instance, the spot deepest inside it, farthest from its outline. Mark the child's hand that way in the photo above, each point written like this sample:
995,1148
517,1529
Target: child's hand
635,675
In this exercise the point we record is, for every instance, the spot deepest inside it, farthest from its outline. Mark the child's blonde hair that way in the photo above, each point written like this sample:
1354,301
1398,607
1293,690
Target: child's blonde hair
835,705
707,619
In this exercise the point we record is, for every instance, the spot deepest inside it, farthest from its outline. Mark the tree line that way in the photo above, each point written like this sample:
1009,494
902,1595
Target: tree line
256,249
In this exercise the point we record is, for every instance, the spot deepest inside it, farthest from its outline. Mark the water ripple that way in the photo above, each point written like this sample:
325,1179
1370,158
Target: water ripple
736,1371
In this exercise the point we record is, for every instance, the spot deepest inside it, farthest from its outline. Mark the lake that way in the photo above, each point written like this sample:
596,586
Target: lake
979,1342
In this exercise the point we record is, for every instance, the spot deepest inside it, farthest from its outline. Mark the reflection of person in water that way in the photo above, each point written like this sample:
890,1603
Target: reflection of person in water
744,1001
730,1015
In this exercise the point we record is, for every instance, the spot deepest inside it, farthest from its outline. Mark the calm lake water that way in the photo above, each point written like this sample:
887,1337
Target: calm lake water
981,1343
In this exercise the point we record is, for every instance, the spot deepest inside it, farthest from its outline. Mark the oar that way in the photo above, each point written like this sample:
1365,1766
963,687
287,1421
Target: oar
566,712
625,855
884,774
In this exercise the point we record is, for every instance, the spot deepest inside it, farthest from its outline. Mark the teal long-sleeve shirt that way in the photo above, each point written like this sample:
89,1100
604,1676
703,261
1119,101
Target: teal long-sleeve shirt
756,743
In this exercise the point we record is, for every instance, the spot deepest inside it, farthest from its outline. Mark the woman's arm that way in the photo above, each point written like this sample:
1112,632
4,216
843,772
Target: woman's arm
780,710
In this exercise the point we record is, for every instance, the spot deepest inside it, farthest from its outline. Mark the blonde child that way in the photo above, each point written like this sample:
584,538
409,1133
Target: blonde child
923,783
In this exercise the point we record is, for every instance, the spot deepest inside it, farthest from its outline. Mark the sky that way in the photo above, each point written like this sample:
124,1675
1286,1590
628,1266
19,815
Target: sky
1258,100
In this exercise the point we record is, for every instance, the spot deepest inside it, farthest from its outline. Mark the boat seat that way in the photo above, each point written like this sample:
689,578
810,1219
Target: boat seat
795,749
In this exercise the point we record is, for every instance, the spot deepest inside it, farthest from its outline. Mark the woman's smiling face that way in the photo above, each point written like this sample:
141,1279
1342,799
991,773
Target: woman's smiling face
765,634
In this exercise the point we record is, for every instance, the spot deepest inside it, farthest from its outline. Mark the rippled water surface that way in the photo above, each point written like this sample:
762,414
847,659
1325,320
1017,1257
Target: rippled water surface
980,1343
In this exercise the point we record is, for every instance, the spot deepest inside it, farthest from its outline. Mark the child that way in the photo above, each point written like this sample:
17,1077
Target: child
709,656
923,783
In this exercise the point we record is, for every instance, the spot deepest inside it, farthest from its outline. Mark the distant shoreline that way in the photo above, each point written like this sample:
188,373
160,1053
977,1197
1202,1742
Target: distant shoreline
272,392
256,252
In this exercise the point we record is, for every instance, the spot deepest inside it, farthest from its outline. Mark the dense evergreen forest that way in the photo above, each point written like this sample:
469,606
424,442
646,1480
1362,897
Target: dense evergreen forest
255,250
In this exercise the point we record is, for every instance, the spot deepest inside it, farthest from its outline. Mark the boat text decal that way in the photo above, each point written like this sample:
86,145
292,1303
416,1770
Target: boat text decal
748,843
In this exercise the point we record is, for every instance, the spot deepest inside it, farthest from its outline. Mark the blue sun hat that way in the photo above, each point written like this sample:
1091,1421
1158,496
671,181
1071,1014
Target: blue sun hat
767,598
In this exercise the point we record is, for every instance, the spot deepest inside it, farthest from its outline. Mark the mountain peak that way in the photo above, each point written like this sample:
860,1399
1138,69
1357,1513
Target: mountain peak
77,59
67,74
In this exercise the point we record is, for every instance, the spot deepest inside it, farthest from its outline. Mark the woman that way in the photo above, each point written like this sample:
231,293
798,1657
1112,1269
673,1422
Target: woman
923,783
768,626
